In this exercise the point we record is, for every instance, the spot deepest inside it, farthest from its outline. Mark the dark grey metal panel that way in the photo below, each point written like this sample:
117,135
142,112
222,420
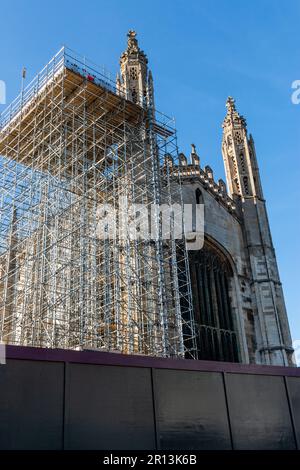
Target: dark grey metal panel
110,407
191,410
293,384
259,412
31,405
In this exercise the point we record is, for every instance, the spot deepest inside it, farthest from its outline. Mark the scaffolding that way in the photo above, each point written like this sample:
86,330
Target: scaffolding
73,151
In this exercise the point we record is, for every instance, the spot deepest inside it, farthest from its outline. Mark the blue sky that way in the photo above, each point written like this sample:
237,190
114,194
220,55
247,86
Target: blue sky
199,52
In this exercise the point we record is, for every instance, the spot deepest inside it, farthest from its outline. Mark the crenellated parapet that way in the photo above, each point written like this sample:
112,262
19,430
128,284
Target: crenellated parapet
191,171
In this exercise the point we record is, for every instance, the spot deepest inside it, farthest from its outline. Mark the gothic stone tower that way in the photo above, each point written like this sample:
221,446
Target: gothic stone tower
136,81
243,179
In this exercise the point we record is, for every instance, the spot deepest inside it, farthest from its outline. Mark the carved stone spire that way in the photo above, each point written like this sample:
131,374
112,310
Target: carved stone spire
133,50
230,104
243,179
136,81
194,157
132,44
238,150
232,115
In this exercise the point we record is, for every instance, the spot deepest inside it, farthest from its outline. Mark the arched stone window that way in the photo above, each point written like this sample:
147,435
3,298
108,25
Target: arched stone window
199,196
133,73
134,95
211,278
199,200
246,185
242,160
